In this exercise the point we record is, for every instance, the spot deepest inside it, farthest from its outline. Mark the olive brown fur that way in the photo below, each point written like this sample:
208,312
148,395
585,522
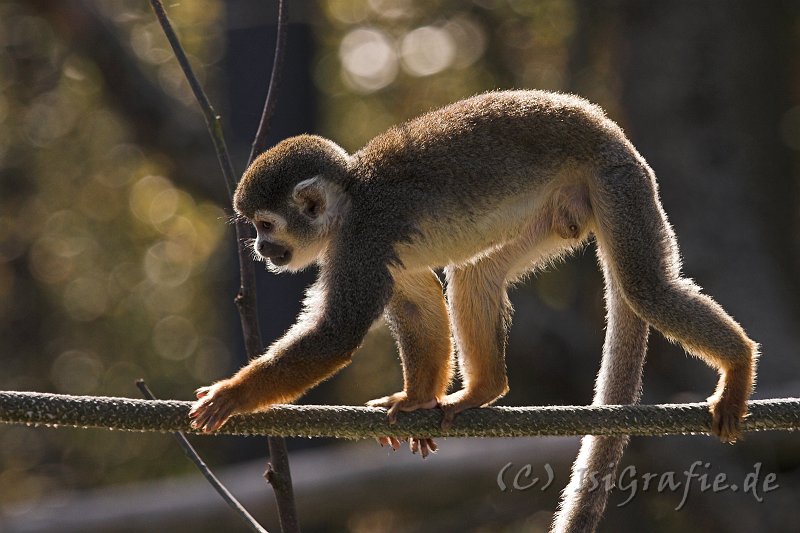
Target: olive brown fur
489,188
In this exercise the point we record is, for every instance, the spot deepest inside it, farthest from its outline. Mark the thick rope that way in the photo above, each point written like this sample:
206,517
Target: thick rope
350,422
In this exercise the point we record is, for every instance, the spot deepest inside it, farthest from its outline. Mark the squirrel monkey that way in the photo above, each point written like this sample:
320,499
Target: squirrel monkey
487,188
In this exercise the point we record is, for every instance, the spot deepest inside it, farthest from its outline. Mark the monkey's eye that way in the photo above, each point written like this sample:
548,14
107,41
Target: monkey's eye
266,226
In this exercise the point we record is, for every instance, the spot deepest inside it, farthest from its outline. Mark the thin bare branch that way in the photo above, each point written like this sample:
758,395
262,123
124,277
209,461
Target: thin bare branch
278,475
212,118
260,141
246,298
192,454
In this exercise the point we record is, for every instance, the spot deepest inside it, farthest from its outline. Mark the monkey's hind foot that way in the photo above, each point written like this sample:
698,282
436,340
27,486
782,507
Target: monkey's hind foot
728,405
726,417
424,446
400,401
395,403
459,401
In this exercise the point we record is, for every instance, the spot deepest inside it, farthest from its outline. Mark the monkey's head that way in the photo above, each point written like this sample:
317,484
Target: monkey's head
294,194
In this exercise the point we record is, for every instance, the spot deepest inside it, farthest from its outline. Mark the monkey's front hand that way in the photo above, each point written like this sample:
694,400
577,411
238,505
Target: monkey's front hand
215,404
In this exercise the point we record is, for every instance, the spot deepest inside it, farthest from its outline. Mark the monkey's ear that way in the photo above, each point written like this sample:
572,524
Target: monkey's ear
311,196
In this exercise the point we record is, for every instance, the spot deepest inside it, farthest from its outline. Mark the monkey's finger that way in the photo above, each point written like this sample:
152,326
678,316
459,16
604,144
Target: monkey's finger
212,418
423,448
223,408
394,442
726,427
204,417
217,420
202,391
383,441
413,445
198,407
201,418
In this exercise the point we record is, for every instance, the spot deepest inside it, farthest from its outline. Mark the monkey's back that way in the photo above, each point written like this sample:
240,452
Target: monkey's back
491,141
466,160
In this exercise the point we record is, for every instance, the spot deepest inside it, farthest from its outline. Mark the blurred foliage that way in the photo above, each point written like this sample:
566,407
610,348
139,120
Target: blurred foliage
105,264
110,261
390,60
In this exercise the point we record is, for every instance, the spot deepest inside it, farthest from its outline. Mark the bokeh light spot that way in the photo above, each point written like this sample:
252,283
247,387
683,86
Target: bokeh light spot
427,50
86,298
144,194
76,372
469,40
211,360
369,59
167,263
174,338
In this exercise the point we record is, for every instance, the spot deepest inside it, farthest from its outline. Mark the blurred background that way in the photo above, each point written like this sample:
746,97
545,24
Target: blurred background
117,261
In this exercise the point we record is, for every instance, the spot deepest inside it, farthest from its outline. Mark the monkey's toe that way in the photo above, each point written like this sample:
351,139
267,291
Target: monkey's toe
400,401
396,403
726,418
423,446
452,404
725,424
392,442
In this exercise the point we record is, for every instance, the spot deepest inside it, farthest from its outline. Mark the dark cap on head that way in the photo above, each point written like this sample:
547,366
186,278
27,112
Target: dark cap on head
271,177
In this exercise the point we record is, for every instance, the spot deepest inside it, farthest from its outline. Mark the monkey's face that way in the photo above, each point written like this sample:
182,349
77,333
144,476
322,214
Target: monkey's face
296,233
291,193
270,243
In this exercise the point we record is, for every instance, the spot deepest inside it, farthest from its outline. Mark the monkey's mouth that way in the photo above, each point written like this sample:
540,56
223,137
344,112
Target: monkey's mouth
282,258
277,254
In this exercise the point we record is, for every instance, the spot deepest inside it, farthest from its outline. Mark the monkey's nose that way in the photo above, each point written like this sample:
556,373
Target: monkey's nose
277,253
267,248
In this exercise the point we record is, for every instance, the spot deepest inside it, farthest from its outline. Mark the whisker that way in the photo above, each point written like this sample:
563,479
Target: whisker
250,244
236,217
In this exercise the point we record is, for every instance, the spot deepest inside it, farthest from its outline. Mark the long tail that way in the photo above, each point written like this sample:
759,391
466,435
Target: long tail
618,382
644,286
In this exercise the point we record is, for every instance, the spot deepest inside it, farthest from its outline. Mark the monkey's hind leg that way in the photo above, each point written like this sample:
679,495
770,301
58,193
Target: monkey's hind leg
636,238
417,317
480,313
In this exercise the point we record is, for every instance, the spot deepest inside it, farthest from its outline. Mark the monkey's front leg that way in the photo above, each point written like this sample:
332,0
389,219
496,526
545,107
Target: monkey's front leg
337,316
417,317
282,375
